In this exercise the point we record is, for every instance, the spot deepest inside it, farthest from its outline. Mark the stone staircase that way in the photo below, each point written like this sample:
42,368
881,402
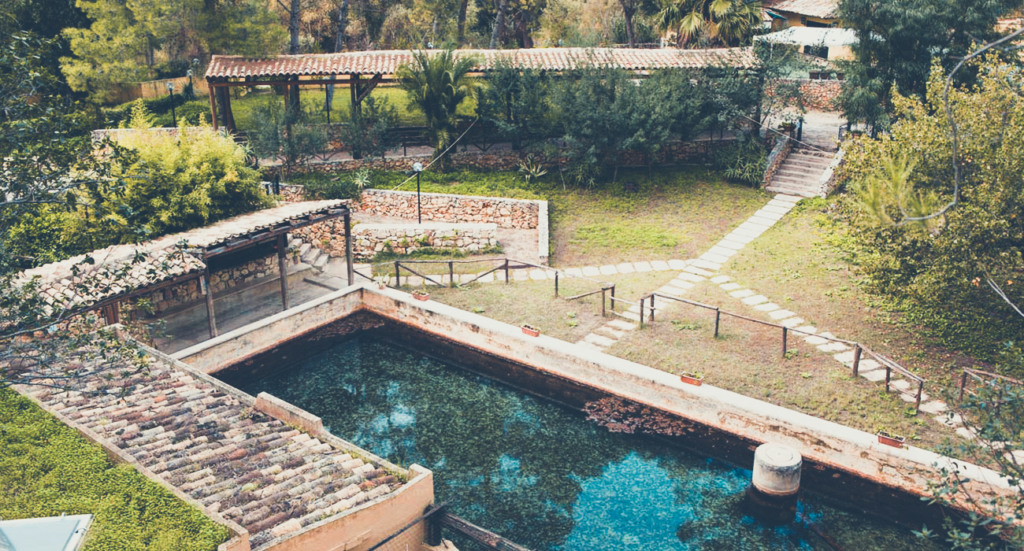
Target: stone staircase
800,174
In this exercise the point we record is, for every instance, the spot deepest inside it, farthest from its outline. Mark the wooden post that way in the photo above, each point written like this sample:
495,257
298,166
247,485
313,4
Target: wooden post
613,298
920,389
229,116
350,268
208,291
213,104
642,302
283,269
652,307
856,360
718,318
451,274
963,385
556,286
112,313
603,299
506,271
398,280
888,375
785,334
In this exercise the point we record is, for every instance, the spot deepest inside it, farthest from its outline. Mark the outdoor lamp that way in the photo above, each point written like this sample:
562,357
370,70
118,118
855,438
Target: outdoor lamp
418,168
170,91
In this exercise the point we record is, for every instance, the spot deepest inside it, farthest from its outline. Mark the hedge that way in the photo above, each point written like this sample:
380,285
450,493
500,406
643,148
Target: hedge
47,468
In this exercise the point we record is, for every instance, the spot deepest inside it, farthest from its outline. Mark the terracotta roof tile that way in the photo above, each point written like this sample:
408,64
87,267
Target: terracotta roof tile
115,270
240,463
553,59
823,9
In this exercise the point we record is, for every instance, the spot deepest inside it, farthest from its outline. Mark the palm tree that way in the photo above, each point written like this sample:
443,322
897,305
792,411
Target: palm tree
727,22
437,84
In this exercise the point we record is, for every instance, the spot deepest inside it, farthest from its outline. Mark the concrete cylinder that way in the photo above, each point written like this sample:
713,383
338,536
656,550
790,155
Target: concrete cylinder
777,470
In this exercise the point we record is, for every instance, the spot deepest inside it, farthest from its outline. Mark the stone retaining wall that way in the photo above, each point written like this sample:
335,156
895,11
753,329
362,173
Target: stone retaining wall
778,156
189,292
370,239
443,207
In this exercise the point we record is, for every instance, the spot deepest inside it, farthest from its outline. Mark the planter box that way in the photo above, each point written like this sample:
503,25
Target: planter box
893,440
420,295
691,379
531,331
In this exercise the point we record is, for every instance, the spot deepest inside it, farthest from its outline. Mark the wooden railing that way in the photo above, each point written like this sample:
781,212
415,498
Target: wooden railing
859,350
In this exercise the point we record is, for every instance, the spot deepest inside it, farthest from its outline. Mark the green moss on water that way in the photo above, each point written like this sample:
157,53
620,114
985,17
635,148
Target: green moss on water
542,475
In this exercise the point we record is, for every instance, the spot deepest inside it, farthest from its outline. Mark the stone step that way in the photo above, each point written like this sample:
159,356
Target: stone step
814,162
304,248
321,262
311,256
794,180
791,172
802,192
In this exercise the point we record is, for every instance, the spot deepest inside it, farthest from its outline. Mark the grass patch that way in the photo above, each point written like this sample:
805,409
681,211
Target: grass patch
747,359
46,469
677,212
534,303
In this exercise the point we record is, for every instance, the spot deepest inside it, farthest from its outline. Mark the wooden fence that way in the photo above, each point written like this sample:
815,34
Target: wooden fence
859,350
984,377
155,88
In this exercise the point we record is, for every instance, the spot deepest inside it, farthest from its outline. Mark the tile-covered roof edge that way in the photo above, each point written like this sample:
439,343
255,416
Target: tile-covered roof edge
555,59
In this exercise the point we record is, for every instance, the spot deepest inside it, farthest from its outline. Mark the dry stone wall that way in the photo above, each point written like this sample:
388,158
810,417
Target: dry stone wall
370,239
189,292
442,207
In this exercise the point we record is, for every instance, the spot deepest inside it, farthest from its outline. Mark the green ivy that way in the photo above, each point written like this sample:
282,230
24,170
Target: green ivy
46,469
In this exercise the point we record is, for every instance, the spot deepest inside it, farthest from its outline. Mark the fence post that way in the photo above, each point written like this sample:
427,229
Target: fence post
718,317
556,284
963,385
920,389
613,298
451,274
642,301
785,335
398,280
506,271
856,360
888,374
604,297
652,307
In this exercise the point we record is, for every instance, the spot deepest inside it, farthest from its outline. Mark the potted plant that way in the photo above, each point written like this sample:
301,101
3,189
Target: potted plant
420,295
295,256
531,330
787,125
381,281
694,378
890,438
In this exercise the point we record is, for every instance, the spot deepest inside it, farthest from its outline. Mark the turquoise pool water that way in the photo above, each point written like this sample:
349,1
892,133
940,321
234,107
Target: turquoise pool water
541,474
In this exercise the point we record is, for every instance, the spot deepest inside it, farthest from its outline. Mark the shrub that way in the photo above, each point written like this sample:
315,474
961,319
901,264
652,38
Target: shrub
47,469
326,186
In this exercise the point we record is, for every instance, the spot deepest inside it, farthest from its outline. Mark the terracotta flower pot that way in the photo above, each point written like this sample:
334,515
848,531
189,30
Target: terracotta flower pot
691,379
420,295
893,440
531,330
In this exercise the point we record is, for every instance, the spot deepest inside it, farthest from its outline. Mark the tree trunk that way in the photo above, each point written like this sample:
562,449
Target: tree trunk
293,27
339,44
499,24
627,14
463,6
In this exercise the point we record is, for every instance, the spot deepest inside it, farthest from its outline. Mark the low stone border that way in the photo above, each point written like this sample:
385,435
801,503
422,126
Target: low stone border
370,239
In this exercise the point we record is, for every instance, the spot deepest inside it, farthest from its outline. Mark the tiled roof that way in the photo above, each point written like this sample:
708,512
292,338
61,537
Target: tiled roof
115,270
251,469
553,59
823,9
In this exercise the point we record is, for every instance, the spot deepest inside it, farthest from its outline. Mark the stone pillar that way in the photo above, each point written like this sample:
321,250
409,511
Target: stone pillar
775,487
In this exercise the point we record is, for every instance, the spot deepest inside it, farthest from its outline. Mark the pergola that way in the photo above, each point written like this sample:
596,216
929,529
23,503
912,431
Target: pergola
361,72
76,287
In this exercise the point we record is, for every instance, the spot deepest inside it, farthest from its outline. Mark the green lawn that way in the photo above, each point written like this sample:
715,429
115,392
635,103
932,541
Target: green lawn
677,212
47,469
534,302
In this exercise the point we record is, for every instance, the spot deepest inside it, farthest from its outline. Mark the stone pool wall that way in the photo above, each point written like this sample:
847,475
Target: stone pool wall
370,239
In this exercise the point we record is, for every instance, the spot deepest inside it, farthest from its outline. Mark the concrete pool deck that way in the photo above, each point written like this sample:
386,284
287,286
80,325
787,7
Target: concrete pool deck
823,444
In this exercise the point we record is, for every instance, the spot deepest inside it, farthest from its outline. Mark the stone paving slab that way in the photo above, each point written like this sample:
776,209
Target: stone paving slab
715,266
767,307
712,257
609,270
643,266
769,215
738,238
698,271
815,340
808,329
682,284
722,251
754,227
670,290
777,208
756,299
610,332
659,265
749,231
762,220
520,275
594,338
791,322
873,376
591,271
934,406
833,347
537,274
720,279
742,293
730,286
729,245
626,268
630,316
589,346
676,264
780,314
788,198
622,325
575,272
686,276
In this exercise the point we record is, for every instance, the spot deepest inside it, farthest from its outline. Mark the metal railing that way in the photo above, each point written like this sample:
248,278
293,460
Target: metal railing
859,350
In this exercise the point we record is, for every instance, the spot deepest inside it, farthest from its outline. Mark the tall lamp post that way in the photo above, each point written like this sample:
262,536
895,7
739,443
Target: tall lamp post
170,92
418,168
